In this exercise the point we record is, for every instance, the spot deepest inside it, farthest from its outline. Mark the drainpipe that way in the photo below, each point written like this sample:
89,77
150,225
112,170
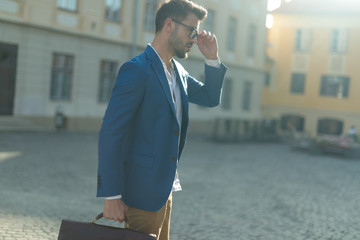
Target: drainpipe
135,29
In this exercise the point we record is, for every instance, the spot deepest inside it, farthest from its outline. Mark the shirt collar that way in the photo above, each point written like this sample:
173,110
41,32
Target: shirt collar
164,65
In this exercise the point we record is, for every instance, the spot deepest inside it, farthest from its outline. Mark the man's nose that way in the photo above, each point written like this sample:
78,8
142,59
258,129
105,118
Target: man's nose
194,40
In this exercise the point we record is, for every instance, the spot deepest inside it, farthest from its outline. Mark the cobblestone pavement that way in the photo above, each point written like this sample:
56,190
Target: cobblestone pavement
231,191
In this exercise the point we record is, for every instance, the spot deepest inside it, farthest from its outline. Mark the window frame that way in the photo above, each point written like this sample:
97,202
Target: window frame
328,121
290,122
64,71
267,79
247,96
149,23
339,42
251,41
293,85
106,75
231,34
303,40
344,85
66,8
119,11
226,97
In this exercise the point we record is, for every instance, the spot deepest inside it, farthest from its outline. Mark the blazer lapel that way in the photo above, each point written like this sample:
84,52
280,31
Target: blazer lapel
160,73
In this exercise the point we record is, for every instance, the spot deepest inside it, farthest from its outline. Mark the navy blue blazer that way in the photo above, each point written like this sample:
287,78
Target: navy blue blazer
139,137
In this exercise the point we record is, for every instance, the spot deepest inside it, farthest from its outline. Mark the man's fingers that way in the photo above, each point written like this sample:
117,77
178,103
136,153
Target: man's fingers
207,35
115,210
116,218
203,33
106,216
121,219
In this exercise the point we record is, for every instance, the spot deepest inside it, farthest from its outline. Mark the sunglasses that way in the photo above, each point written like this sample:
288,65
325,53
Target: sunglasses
193,32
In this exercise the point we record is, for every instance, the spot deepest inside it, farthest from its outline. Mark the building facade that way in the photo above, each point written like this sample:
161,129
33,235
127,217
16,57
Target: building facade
62,56
313,51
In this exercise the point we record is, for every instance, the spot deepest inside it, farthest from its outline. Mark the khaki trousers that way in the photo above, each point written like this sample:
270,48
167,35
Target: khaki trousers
157,223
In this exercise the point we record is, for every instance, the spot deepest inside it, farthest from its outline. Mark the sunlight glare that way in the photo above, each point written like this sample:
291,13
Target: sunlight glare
273,4
7,155
269,20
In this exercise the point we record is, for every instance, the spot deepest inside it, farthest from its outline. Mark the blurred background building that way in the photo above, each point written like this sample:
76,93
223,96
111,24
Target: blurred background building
314,74
60,58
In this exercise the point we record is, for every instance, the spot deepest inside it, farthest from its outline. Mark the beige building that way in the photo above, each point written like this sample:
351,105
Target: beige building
63,55
315,78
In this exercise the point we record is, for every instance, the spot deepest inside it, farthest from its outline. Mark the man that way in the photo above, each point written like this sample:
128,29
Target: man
145,124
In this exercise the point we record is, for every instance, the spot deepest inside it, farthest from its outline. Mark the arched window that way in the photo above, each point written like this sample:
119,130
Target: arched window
330,126
292,121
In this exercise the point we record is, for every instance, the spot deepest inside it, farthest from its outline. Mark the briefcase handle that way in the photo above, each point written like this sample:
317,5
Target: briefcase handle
101,215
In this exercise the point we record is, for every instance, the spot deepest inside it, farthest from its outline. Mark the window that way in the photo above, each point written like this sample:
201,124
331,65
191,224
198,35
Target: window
336,86
251,42
267,79
302,40
113,10
339,40
330,126
227,94
230,44
292,122
210,20
246,101
298,83
107,79
61,77
151,8
70,5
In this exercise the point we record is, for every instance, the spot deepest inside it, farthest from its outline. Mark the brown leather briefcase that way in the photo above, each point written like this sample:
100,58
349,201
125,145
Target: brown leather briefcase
73,230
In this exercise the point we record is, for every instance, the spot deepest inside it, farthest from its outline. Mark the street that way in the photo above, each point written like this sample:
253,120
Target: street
245,191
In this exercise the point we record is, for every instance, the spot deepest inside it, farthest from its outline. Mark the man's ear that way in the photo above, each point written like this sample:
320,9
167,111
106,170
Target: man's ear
169,25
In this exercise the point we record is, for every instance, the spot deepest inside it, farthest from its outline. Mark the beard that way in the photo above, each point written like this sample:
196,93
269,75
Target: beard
180,53
177,46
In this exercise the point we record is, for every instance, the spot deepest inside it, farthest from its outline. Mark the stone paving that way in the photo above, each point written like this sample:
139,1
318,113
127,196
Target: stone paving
242,191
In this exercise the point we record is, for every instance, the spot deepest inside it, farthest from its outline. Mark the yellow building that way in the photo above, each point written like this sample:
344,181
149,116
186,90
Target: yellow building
314,54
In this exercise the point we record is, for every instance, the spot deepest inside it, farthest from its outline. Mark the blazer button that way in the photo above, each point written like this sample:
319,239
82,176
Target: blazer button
174,159
176,132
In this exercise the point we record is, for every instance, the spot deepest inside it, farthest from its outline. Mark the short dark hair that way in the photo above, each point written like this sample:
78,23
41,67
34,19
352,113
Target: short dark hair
178,10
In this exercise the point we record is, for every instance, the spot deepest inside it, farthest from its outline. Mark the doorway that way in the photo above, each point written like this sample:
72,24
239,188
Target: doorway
8,59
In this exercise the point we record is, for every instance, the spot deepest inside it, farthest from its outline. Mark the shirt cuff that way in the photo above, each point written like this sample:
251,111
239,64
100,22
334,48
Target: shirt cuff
113,197
213,63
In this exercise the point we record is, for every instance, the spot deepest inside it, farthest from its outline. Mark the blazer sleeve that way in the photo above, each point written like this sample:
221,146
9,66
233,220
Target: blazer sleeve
207,94
125,100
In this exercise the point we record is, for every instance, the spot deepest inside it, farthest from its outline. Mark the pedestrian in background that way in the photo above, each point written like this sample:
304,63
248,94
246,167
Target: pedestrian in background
352,133
145,125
